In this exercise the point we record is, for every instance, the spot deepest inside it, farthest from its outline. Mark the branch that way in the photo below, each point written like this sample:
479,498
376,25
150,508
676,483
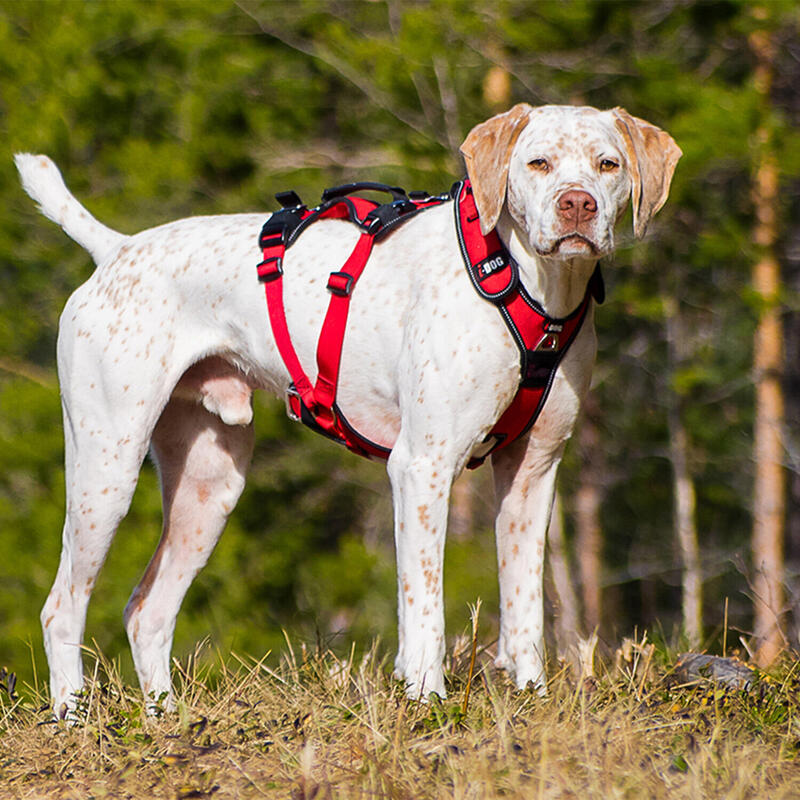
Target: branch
449,101
31,372
375,95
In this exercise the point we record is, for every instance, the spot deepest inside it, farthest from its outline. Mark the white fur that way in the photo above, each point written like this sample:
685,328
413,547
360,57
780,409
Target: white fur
163,345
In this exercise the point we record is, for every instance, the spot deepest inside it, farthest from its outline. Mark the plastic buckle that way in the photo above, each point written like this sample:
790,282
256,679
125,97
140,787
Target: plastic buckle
401,207
270,270
289,199
291,392
374,222
340,284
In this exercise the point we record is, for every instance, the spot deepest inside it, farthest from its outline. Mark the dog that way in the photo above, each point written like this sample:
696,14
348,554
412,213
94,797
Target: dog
163,346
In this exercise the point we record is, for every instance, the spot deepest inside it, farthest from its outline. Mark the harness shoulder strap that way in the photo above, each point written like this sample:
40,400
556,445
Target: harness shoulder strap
493,272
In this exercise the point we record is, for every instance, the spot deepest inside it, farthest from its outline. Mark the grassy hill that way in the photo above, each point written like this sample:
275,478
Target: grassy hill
320,727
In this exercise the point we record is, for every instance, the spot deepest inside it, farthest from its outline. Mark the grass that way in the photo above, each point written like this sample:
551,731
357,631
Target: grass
321,727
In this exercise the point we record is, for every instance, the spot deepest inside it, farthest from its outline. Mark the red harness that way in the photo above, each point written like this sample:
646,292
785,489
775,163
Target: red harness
542,341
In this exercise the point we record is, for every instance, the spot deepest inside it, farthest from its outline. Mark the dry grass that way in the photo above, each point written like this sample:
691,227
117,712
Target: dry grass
318,727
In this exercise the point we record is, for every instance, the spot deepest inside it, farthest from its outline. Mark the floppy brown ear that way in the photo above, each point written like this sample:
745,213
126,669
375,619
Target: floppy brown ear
652,156
487,150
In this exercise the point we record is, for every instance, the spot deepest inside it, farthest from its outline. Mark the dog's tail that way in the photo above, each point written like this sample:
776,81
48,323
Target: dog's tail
43,182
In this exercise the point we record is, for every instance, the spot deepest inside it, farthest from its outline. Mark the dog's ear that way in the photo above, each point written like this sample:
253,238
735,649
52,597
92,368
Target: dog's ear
652,156
487,151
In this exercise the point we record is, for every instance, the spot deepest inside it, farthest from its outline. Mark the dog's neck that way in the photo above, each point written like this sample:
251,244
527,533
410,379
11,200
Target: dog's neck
558,284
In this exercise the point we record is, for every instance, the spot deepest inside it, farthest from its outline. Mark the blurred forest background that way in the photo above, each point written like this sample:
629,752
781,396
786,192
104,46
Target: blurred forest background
680,492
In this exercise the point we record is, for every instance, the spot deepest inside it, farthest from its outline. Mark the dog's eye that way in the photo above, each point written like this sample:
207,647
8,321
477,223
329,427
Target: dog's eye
539,164
608,165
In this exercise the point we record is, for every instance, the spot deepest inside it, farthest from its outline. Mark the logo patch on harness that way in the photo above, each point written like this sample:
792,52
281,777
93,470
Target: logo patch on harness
491,264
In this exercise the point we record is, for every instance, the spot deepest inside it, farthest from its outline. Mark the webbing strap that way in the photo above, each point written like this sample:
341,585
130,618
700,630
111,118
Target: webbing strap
331,338
316,404
542,341
493,272
270,272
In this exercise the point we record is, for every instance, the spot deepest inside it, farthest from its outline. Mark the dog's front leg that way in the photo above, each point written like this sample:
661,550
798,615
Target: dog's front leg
420,491
524,475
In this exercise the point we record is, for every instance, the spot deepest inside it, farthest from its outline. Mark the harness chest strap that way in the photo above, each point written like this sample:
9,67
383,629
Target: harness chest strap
541,340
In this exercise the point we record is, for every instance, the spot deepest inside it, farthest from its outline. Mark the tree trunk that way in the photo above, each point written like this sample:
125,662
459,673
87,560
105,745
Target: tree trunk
770,479
683,493
684,521
497,81
461,525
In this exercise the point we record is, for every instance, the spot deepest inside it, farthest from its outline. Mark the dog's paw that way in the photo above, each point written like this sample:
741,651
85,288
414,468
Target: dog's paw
422,684
526,676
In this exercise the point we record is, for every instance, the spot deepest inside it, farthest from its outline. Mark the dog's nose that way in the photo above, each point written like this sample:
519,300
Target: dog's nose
576,206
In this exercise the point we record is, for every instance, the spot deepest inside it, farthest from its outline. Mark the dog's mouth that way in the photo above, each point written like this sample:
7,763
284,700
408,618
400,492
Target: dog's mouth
571,244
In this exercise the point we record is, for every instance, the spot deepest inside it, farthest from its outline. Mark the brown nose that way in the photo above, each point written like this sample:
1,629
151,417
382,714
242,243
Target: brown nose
576,206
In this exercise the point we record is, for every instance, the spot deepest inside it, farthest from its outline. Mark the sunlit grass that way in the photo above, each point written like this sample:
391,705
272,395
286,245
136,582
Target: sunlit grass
319,726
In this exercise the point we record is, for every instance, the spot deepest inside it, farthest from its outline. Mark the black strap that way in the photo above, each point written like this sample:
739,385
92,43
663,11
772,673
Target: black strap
397,192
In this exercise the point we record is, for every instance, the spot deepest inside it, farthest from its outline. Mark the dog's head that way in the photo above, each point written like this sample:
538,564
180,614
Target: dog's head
565,173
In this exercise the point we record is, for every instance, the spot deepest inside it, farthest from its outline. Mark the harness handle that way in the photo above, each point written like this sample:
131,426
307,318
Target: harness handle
397,192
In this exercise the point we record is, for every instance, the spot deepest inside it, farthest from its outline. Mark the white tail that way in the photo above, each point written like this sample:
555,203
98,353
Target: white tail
43,182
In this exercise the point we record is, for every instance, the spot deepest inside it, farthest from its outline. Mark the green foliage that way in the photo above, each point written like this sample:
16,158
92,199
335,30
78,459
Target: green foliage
31,512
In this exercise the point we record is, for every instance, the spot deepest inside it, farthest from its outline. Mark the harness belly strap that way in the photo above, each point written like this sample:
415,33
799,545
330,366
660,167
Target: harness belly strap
542,341
315,405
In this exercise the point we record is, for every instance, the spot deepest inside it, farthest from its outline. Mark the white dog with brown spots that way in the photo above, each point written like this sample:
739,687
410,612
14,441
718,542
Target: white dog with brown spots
163,346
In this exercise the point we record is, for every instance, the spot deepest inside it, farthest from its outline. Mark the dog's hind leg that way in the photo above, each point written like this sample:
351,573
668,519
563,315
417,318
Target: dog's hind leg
202,464
102,467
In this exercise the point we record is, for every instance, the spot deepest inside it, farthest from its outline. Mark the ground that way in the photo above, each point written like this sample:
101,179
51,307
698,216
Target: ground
318,726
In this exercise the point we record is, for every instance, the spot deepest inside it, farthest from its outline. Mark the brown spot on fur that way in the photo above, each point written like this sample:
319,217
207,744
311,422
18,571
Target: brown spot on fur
424,518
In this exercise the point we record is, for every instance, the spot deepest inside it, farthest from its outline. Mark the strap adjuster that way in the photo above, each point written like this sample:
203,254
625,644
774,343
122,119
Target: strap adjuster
272,235
340,284
270,270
